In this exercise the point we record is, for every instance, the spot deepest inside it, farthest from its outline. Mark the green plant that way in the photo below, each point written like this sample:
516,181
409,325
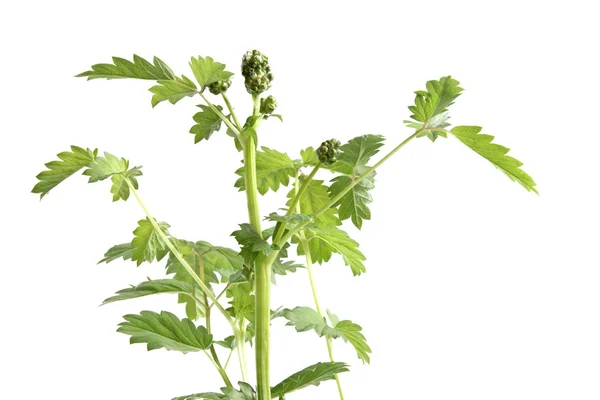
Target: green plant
236,283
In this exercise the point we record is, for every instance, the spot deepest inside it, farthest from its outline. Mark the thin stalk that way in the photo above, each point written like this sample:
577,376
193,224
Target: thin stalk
296,200
212,350
262,272
237,132
230,108
185,264
311,277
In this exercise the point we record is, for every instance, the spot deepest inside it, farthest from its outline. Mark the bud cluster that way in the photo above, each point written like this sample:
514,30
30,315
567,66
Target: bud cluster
256,72
219,87
328,151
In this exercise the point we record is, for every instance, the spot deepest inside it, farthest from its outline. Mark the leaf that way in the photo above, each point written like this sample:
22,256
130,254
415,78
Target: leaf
272,170
306,319
323,242
207,71
147,244
309,157
314,199
246,392
105,167
313,375
251,243
351,332
207,122
352,163
228,342
165,330
243,302
120,188
173,90
70,162
355,203
138,69
435,100
291,220
202,396
494,153
124,251
152,287
284,267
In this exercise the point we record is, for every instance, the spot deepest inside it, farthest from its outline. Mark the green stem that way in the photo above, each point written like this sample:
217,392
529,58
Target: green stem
262,272
237,132
230,108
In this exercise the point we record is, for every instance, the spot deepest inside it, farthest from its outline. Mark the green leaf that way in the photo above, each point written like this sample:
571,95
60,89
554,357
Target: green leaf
207,122
352,163
124,251
309,157
314,199
313,375
118,170
138,69
153,287
351,332
251,243
173,90
147,244
228,342
165,330
280,267
435,100
306,319
246,392
207,71
494,153
70,162
272,170
323,242
120,188
291,220
202,396
243,302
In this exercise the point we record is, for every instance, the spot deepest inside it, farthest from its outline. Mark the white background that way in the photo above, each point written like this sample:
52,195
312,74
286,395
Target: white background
475,288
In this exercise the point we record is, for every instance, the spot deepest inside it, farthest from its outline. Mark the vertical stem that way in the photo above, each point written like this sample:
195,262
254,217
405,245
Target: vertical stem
262,272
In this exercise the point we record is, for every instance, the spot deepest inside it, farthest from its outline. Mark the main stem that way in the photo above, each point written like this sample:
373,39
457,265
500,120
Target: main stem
262,272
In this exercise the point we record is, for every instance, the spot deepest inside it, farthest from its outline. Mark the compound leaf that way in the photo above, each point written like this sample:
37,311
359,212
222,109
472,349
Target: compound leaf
152,287
435,100
313,375
138,69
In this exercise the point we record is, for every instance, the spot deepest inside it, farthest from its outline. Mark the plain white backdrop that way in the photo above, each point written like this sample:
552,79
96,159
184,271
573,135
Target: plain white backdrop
475,288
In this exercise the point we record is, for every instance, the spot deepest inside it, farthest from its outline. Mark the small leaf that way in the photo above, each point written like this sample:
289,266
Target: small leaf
243,302
494,153
273,169
207,71
228,342
70,162
152,287
323,242
435,100
207,122
165,330
251,243
120,188
313,375
202,396
147,244
138,69
306,319
124,251
173,90
291,220
351,332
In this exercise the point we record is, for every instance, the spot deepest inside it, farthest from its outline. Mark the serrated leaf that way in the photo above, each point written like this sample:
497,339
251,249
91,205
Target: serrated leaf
243,302
151,287
280,267
138,69
314,199
124,251
435,100
207,71
273,169
251,243
494,153
70,162
291,220
173,90
228,342
351,332
165,330
202,396
105,167
327,240
352,163
313,375
147,244
207,122
120,188
309,157
306,319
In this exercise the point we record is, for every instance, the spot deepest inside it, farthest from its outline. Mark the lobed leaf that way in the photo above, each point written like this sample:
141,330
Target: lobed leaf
435,100
207,71
70,162
173,90
124,251
494,153
151,287
251,243
207,122
351,332
323,242
313,375
313,200
138,69
147,244
165,330
273,169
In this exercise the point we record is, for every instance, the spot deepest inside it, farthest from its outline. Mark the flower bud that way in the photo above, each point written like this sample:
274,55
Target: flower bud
328,151
256,72
268,105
